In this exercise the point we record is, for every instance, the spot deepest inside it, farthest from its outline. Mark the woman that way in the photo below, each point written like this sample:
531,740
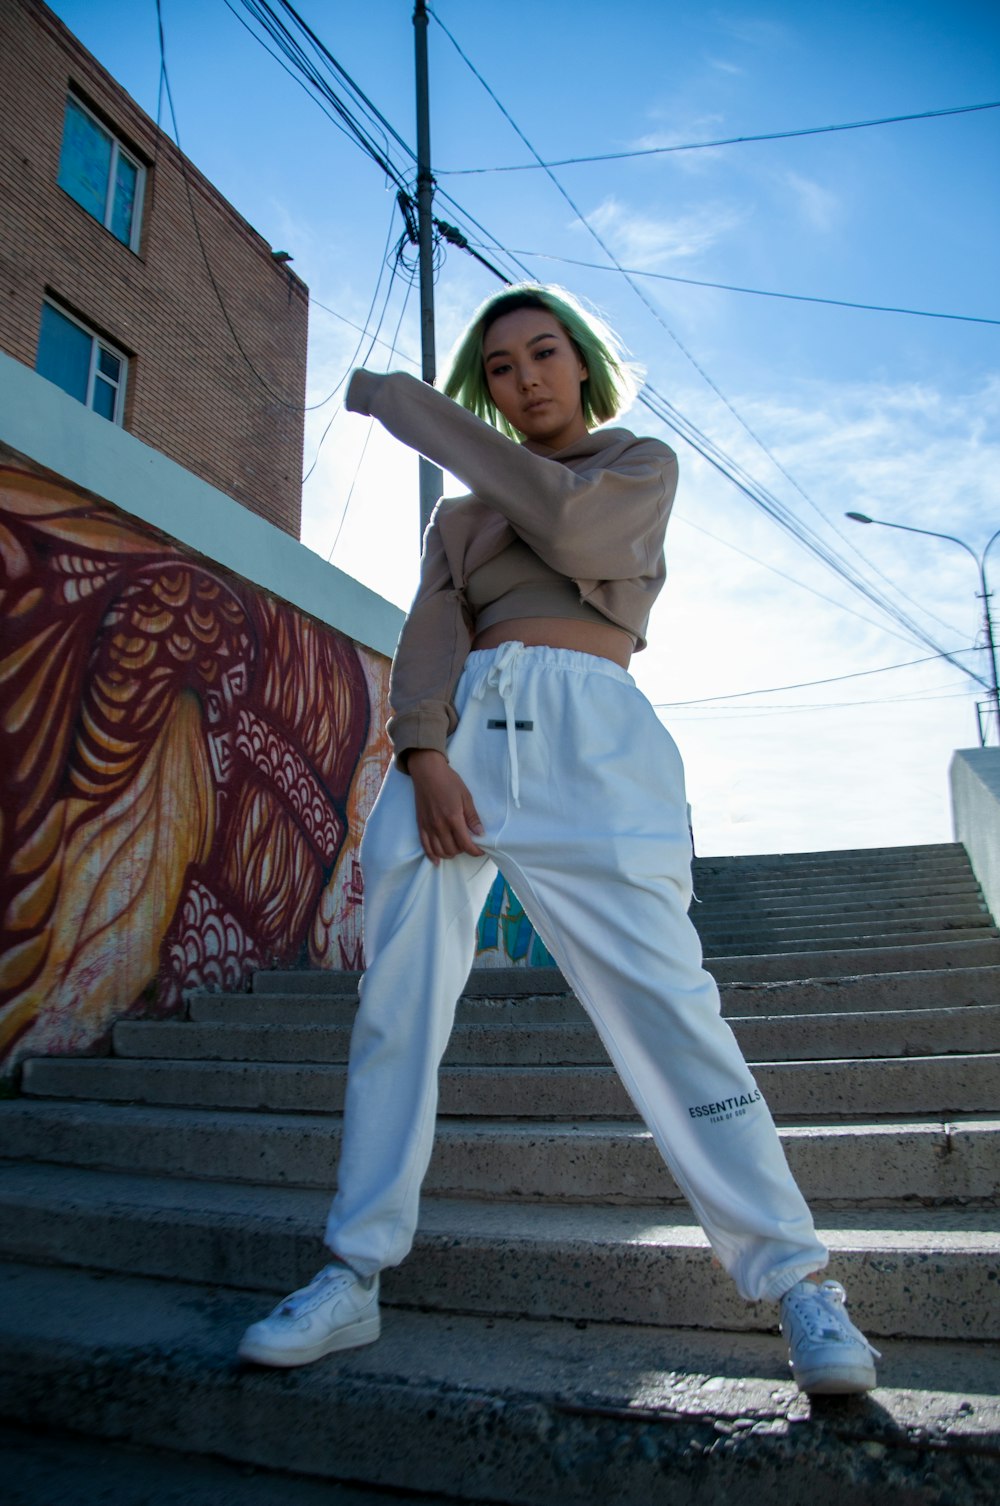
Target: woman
522,743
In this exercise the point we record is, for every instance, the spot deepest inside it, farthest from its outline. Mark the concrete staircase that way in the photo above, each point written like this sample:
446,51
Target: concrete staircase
560,1333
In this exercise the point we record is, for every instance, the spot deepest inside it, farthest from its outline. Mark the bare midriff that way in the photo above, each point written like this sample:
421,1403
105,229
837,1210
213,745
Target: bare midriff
603,639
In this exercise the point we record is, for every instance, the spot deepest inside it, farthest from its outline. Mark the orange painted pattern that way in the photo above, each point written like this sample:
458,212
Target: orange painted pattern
187,766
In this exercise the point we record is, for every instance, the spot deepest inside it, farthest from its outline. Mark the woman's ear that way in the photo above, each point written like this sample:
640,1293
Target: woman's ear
584,373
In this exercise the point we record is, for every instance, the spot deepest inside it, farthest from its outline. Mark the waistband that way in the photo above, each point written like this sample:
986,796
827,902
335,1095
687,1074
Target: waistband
500,668
480,660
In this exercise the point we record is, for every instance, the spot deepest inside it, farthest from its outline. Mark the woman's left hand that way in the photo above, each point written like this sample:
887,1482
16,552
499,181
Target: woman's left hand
447,819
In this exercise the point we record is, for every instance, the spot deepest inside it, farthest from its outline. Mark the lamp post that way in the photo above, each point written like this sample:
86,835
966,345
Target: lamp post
980,560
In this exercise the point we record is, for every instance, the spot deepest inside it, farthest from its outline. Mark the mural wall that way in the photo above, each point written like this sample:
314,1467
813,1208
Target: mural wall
187,766
506,937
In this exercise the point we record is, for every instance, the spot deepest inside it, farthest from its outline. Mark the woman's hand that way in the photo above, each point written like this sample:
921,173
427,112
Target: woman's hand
447,819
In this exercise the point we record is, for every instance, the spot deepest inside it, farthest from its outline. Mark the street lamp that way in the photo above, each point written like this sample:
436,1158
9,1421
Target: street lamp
994,687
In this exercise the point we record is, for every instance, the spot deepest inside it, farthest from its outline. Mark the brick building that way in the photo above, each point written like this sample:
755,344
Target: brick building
105,288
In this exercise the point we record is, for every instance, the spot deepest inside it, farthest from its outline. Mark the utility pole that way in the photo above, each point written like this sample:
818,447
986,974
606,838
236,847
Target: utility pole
431,477
990,640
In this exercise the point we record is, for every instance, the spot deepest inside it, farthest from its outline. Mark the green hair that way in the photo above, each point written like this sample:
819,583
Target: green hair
608,387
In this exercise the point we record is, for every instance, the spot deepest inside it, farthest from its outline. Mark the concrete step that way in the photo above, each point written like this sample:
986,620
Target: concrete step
764,946
931,989
792,910
877,894
486,1408
790,967
907,852
821,865
916,1273
919,1032
49,1467
944,870
805,965
890,930
482,982
532,1261
941,870
841,1089
881,1163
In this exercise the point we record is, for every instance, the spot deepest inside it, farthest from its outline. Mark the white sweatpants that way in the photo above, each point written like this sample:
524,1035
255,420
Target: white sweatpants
580,790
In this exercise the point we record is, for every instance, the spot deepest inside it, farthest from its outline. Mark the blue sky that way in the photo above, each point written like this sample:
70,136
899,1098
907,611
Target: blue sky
894,415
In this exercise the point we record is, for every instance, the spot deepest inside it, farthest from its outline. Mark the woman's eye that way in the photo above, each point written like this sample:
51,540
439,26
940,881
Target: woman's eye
543,353
496,371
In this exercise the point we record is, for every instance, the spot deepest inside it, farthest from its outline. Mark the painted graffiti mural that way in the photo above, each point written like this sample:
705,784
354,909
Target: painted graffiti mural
187,764
505,934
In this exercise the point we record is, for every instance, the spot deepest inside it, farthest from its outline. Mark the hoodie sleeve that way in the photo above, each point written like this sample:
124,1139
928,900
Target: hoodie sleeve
432,648
601,523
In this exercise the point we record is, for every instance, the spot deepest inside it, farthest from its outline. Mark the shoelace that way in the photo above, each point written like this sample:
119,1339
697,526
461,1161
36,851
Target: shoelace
303,1300
827,1304
502,677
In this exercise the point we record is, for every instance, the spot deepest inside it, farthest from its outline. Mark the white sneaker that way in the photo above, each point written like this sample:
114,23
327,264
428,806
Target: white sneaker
337,1310
827,1354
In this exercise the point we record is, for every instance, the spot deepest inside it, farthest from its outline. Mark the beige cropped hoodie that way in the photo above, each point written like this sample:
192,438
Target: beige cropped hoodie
595,511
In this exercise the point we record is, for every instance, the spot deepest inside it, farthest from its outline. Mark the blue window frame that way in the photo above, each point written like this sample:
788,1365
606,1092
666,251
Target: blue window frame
81,363
97,171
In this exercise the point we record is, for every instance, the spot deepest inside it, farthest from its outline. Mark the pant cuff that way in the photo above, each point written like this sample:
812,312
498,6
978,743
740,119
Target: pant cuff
786,1279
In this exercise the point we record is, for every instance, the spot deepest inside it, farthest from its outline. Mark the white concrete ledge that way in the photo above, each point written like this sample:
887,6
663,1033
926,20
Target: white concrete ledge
42,423
975,805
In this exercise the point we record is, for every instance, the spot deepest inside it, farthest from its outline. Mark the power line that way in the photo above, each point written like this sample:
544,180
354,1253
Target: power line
371,426
359,130
793,579
807,537
765,711
355,88
362,329
454,237
657,404
165,77
354,356
165,86
306,75
700,146
728,287
858,674
292,73
663,409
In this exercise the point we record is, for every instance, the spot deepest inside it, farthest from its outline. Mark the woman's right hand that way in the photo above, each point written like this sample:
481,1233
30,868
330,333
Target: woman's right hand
447,819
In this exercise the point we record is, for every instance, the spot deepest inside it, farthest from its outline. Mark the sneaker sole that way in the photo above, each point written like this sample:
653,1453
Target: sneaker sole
830,1382
351,1337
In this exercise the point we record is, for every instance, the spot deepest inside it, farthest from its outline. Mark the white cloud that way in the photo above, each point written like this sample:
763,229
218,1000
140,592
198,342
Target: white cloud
649,241
818,207
808,769
756,31
692,129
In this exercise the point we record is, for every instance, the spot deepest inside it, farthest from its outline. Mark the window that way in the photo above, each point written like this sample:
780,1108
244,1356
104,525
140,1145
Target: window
81,363
97,171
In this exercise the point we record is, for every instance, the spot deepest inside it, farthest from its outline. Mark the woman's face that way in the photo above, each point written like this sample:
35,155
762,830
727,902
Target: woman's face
534,374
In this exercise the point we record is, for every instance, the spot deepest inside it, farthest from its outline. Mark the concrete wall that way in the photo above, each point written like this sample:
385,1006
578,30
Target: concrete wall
52,430
975,803
190,392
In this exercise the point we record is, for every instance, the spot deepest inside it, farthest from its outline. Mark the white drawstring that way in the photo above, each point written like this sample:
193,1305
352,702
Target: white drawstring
502,677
